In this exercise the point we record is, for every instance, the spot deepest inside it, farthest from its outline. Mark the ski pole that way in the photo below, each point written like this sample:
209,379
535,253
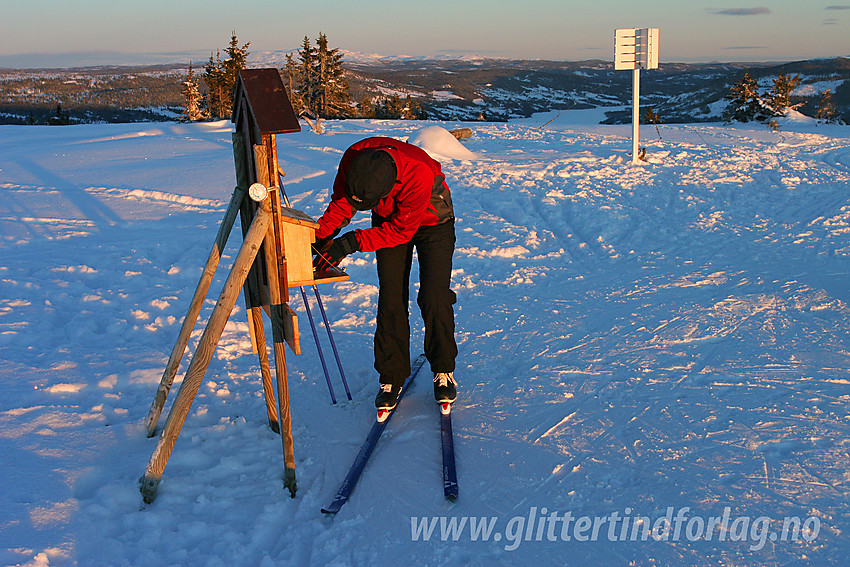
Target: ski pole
331,338
324,317
318,345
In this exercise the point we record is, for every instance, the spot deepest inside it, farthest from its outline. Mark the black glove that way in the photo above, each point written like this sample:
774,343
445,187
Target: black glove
321,245
338,249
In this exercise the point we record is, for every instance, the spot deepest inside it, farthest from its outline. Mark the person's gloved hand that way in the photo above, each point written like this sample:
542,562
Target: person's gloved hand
335,251
321,244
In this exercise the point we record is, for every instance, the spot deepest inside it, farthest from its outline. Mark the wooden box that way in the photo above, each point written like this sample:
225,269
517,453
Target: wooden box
299,232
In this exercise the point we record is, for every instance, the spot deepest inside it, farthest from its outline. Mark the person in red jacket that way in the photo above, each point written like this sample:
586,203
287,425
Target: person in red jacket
411,208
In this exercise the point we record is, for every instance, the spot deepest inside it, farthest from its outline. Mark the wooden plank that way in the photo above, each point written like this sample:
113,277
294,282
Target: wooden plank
294,216
299,258
275,255
322,278
461,133
203,354
194,310
252,286
256,315
285,326
275,239
279,317
289,480
267,100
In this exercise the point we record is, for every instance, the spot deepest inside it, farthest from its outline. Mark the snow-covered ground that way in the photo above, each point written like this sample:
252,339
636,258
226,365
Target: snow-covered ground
636,343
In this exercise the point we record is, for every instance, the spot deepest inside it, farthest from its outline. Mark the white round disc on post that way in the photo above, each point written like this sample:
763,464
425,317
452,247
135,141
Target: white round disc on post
258,192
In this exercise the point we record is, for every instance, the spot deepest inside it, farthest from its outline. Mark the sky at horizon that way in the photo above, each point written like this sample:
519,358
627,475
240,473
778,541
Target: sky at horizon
47,32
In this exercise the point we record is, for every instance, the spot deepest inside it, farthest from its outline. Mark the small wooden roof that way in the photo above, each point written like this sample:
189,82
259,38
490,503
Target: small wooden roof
267,103
294,216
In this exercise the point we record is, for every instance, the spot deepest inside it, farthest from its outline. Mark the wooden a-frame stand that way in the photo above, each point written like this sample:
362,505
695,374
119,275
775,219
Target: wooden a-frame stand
261,109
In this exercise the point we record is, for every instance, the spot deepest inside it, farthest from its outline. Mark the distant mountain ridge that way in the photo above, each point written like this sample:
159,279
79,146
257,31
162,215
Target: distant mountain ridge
498,89
468,88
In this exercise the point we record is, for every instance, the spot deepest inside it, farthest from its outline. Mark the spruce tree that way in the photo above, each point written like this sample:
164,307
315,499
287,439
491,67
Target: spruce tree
214,79
391,108
413,110
779,98
61,117
332,96
745,103
826,108
292,82
307,71
237,59
316,82
651,117
220,78
192,96
366,108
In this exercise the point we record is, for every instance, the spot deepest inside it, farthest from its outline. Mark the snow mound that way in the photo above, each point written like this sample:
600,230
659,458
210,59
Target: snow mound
792,115
441,144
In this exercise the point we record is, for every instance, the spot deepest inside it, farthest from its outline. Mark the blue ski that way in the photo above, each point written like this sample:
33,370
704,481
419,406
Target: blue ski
449,470
368,446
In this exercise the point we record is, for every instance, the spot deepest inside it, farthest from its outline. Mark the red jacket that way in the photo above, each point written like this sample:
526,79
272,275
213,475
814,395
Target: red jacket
421,198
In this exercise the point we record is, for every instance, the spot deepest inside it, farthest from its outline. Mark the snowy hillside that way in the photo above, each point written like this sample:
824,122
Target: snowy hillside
640,347
466,89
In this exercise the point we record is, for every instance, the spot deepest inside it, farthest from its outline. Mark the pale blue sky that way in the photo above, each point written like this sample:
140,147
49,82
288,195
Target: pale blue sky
721,30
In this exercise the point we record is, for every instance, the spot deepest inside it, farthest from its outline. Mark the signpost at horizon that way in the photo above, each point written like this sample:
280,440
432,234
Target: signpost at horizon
635,49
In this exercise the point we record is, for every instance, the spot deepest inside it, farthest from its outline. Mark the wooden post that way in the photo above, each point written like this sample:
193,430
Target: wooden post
203,354
194,309
256,315
279,311
245,172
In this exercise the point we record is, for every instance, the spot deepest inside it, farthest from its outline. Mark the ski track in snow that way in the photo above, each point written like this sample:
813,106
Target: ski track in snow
672,334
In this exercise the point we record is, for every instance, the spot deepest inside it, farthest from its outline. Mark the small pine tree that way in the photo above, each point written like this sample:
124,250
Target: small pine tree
413,110
779,98
391,108
826,108
366,108
651,117
61,117
192,96
745,103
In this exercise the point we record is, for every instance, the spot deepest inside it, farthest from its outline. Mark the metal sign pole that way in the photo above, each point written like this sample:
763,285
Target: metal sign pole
635,49
636,115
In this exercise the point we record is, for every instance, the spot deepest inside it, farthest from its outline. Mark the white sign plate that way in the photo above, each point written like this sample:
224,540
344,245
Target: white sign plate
635,48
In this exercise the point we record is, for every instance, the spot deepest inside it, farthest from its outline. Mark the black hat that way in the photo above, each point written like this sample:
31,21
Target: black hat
371,176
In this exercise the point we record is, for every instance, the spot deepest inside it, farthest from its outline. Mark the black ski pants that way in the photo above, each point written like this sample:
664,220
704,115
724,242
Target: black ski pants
434,247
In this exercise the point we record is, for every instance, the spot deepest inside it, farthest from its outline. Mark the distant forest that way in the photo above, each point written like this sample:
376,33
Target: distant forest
94,94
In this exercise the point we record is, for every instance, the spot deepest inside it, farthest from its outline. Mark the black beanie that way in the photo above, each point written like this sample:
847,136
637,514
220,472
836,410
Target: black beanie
371,176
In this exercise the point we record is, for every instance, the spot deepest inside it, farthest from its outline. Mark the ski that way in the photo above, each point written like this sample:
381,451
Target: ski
449,470
368,446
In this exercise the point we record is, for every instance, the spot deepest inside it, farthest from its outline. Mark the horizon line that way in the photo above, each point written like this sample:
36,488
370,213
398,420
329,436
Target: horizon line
183,58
